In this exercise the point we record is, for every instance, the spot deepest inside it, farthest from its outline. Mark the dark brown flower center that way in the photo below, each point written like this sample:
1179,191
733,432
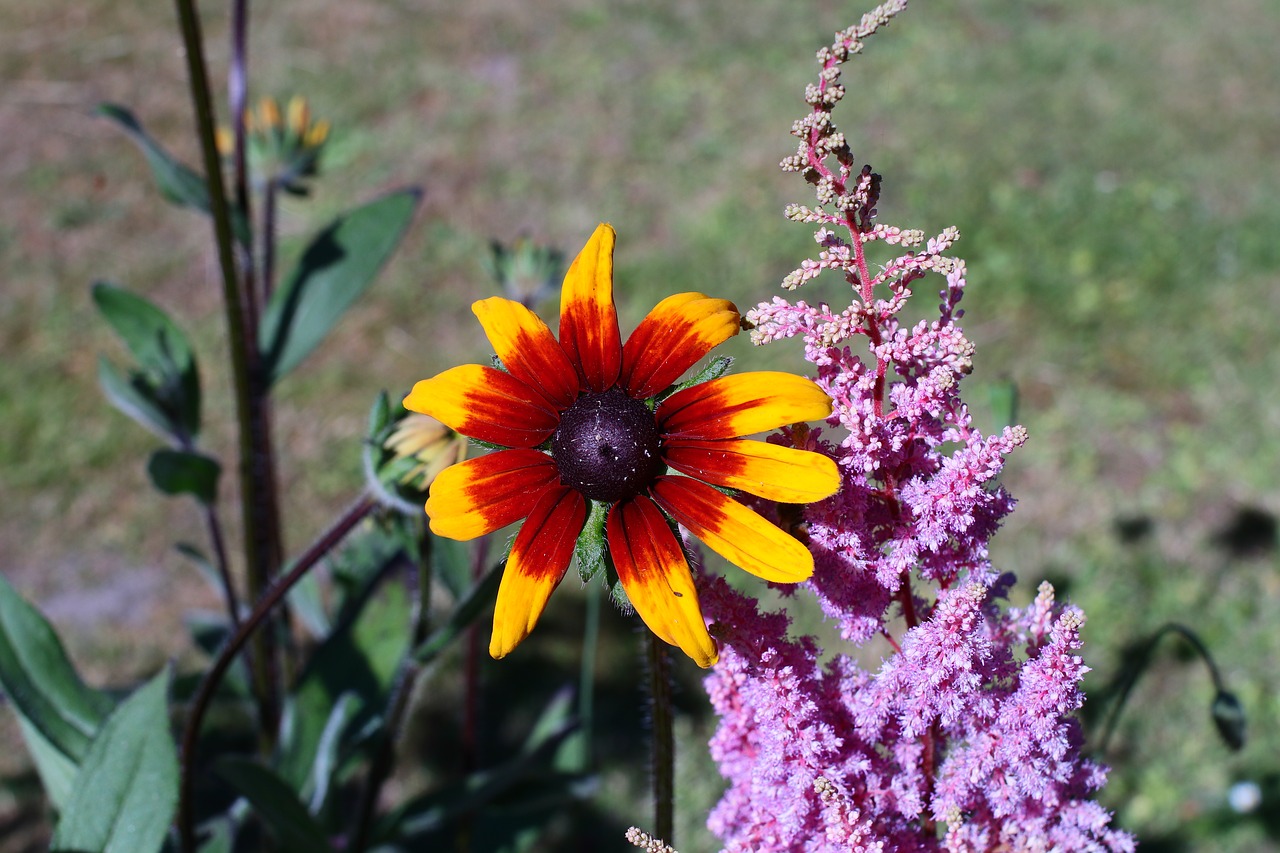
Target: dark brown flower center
607,446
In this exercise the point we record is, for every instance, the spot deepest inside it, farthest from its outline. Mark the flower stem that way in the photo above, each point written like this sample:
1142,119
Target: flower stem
213,678
664,760
220,561
259,516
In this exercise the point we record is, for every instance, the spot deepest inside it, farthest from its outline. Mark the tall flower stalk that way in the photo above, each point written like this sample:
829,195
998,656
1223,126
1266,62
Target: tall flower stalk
964,737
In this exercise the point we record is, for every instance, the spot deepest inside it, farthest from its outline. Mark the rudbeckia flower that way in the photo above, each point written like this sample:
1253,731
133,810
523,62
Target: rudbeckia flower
590,423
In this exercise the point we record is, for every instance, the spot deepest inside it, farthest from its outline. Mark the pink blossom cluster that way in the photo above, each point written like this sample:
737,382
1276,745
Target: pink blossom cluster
964,738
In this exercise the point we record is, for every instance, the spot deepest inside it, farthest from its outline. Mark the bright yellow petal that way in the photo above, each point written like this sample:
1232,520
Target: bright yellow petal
588,321
739,534
542,552
742,404
655,574
487,404
484,494
527,349
675,335
771,471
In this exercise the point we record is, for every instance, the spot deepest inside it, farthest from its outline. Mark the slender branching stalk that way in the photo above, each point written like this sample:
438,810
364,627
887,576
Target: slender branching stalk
213,678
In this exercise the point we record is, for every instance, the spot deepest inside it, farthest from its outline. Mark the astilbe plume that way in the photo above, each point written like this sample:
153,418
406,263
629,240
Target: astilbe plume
965,738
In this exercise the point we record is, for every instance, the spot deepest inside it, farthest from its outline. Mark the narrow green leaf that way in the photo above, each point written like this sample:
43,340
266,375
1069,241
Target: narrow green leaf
481,596
185,472
57,771
334,271
328,750
40,681
177,182
125,794
162,349
276,803
137,400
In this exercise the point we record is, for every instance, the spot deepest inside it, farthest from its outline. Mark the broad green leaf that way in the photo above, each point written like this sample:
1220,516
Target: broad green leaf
125,794
334,271
524,775
307,603
161,348
185,472
477,600
452,560
136,399
360,658
41,683
276,803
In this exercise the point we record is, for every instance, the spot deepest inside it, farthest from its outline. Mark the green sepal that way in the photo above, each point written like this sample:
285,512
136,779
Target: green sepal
713,369
1229,718
592,548
184,472
487,445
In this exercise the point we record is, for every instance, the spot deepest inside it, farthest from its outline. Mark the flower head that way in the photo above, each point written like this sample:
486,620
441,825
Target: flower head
595,431
284,150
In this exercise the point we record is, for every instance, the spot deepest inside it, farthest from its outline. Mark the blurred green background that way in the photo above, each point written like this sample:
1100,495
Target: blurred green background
1112,169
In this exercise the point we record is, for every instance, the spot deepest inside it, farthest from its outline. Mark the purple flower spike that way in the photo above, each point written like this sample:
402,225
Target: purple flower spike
964,738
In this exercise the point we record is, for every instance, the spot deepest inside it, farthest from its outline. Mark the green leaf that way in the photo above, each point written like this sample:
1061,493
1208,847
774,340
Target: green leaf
177,182
360,658
335,269
275,802
57,771
40,681
524,774
328,750
185,472
481,596
162,350
136,399
125,794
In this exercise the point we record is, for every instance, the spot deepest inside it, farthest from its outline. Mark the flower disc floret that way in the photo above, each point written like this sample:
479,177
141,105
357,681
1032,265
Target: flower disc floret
607,446
582,418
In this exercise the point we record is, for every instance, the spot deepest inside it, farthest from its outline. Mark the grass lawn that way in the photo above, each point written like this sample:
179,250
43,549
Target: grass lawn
1112,170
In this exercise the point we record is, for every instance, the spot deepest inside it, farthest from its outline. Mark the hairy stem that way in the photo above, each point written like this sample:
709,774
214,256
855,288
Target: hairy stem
664,758
213,678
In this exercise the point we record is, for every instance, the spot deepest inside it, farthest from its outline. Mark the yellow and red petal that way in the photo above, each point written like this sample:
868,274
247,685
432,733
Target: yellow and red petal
769,470
673,337
483,494
588,320
739,534
527,349
655,574
742,404
539,558
487,404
